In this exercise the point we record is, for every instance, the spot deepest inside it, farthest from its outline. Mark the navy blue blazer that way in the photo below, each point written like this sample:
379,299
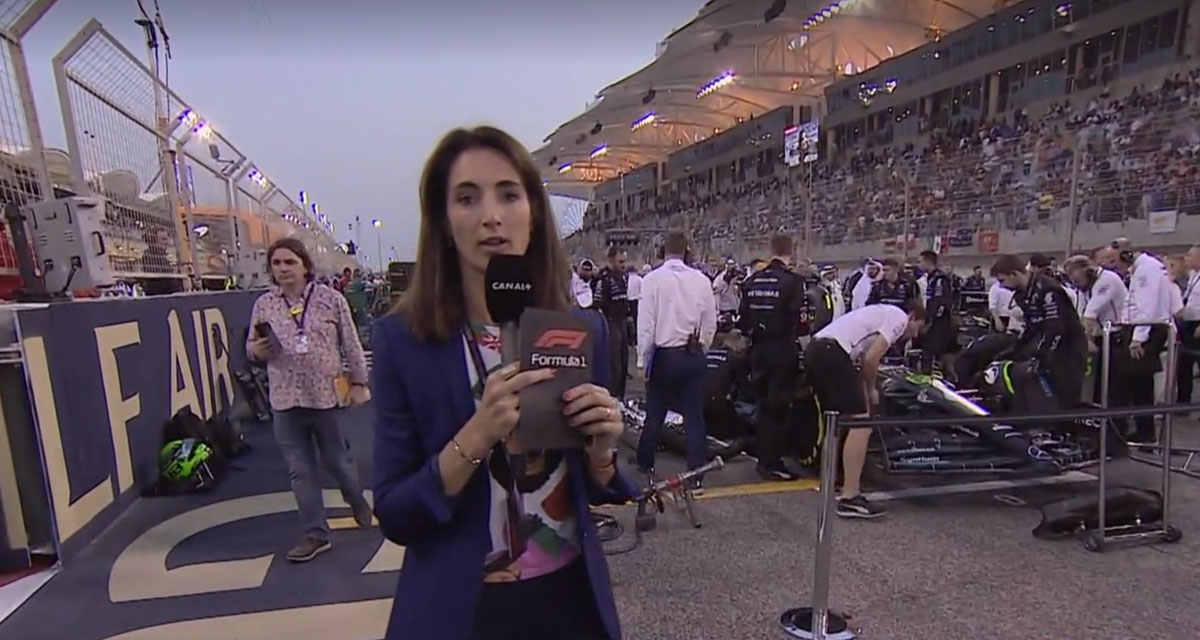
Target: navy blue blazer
422,397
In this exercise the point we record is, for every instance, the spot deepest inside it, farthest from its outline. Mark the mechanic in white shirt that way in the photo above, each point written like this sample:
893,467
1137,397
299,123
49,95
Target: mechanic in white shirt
1104,292
863,336
1000,304
1104,297
677,318
1152,302
1189,327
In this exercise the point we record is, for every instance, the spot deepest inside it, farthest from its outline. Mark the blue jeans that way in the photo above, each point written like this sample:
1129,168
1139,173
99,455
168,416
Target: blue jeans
676,381
302,435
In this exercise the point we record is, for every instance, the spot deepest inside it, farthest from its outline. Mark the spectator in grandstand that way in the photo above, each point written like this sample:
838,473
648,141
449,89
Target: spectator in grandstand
677,319
861,336
1152,302
1053,335
450,484
611,299
303,331
1189,326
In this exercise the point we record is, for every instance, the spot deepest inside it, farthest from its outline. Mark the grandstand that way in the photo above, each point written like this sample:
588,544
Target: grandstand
969,127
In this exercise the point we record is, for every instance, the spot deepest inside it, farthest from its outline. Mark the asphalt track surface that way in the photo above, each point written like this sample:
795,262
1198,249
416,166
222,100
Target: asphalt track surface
943,568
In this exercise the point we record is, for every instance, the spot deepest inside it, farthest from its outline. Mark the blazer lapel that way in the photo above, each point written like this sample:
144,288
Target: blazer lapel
452,363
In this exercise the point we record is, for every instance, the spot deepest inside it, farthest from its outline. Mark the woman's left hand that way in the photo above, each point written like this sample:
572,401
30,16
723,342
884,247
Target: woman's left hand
594,411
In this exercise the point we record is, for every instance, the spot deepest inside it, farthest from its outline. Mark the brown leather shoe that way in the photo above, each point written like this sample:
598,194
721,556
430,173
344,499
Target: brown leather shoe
308,548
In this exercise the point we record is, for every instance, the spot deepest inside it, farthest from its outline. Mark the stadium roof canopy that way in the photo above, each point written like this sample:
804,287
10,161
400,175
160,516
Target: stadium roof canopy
788,59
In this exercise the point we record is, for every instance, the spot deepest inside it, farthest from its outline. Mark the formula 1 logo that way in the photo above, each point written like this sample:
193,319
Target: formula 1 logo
561,338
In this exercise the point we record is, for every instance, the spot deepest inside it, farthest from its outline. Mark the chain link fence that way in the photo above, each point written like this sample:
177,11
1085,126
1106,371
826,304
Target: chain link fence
24,176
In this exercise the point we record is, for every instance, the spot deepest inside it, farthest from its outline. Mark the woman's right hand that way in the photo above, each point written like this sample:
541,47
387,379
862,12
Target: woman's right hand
500,408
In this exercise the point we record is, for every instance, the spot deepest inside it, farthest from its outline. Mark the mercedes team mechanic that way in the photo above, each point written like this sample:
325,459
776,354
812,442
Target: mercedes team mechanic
894,288
610,296
1053,335
940,340
862,336
772,300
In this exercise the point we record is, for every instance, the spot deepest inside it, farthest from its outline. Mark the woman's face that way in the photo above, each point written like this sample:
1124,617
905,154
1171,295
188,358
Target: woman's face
287,267
487,209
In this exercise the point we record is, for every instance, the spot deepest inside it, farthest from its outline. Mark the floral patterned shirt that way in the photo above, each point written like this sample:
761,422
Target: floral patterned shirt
304,377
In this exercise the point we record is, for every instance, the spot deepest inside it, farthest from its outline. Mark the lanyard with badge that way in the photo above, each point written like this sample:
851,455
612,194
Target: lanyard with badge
298,313
525,525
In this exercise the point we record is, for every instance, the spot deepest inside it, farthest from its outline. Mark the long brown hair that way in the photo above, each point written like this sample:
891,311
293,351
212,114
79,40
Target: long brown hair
434,304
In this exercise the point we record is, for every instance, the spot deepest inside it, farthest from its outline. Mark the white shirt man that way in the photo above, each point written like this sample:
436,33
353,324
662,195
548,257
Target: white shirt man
1005,314
1153,297
580,291
725,290
676,301
863,335
1106,299
853,330
634,291
1191,297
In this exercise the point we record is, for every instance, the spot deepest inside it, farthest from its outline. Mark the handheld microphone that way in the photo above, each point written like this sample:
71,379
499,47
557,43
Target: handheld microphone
509,290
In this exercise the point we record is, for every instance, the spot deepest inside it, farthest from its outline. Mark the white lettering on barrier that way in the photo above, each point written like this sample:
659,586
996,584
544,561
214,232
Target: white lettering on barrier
120,409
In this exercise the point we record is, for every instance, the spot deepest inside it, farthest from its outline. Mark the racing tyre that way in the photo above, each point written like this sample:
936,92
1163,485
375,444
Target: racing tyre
1093,541
1172,535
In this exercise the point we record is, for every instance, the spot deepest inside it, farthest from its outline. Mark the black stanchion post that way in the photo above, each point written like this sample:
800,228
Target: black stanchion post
816,622
1105,379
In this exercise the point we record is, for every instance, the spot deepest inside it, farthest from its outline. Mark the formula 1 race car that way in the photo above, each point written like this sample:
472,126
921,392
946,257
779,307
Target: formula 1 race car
991,447
948,447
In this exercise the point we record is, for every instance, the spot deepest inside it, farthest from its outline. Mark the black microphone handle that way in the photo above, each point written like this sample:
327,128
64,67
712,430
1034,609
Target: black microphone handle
510,347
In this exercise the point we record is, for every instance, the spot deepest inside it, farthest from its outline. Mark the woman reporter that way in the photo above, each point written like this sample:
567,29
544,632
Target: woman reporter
494,550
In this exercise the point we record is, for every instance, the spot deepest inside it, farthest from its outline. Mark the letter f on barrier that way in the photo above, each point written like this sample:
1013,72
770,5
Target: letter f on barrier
561,338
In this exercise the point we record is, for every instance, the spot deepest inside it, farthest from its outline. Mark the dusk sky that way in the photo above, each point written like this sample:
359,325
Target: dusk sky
345,98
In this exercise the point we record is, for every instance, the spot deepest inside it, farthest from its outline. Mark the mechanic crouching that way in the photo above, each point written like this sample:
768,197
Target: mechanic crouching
770,314
1053,336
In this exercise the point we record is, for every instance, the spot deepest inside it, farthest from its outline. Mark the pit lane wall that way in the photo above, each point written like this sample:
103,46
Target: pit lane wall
102,378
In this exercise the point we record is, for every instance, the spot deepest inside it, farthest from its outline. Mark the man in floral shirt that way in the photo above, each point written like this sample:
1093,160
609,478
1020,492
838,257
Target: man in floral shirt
302,330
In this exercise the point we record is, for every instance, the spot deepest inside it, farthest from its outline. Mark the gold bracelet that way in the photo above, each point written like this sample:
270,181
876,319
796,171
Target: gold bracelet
474,461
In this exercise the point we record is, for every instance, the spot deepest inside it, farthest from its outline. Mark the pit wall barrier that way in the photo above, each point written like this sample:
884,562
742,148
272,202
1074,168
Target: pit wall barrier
101,378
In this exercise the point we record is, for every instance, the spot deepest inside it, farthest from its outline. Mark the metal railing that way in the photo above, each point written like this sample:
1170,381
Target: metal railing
817,621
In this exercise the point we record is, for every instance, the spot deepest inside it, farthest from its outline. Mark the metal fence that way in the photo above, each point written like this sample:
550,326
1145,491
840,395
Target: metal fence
184,202
23,174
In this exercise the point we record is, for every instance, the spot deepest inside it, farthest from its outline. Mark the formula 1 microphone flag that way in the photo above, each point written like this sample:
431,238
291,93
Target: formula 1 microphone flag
509,291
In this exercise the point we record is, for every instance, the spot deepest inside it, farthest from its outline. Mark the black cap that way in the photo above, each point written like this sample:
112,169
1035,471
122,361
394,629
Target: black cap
509,287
